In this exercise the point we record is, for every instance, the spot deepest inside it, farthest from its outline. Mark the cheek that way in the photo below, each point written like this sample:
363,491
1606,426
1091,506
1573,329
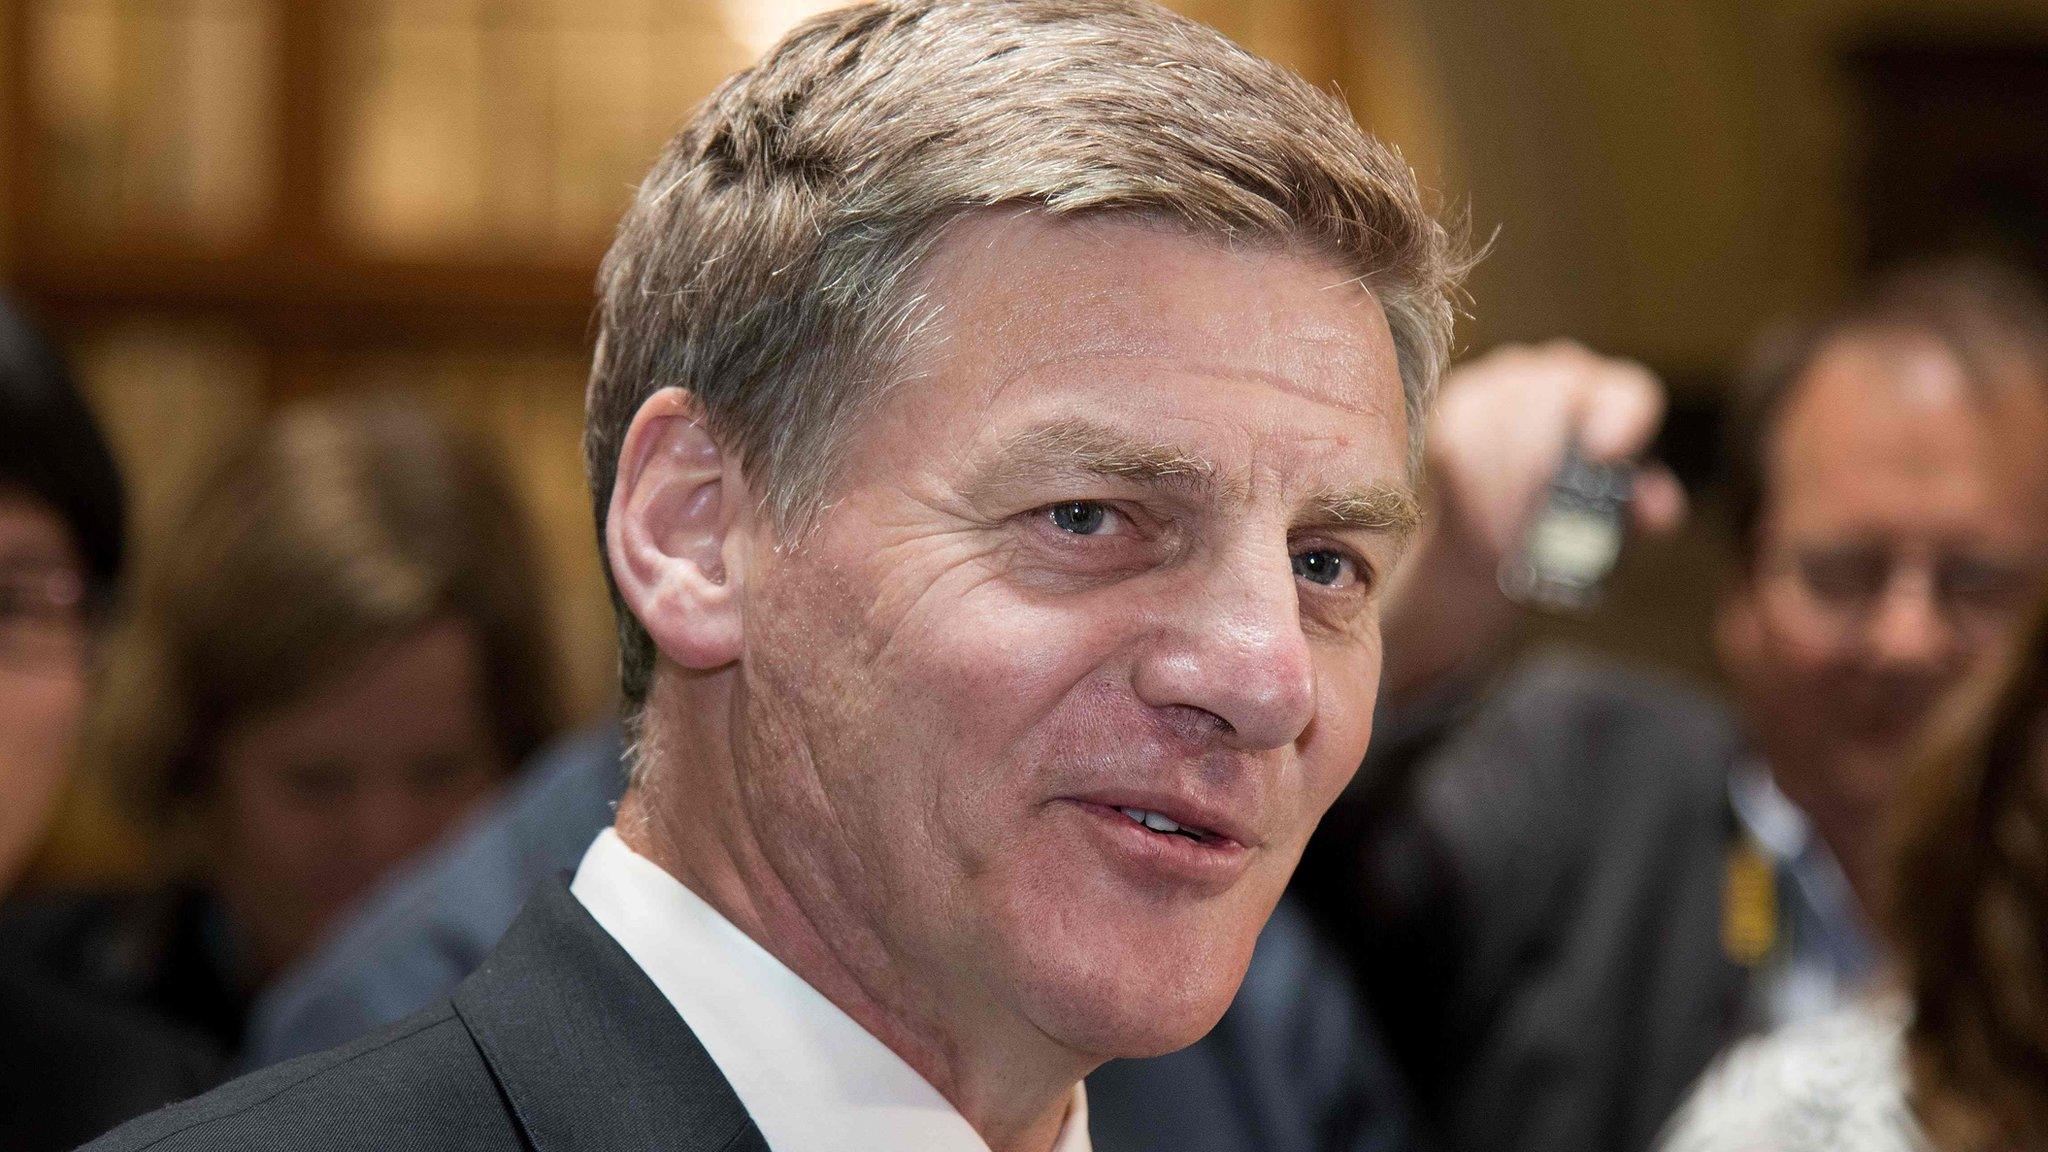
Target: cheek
267,827
1334,747
452,800
964,650
1795,640
932,719
39,717
1330,751
989,701
1976,654
1006,664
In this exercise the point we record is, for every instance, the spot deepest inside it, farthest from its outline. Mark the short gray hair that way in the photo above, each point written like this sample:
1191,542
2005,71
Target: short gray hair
766,264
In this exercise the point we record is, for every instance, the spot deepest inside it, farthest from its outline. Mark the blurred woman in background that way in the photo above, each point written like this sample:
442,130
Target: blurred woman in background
1955,1059
71,1064
60,555
337,652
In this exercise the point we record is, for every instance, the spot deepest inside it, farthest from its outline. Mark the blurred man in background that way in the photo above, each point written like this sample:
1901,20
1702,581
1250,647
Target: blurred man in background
1596,879
1890,493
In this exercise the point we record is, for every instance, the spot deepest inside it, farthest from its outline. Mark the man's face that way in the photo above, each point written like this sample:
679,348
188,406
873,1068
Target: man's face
1905,531
1114,546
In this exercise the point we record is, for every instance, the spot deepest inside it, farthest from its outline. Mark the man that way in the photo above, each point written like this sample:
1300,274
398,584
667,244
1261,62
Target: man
1296,1064
1892,500
1000,435
1601,879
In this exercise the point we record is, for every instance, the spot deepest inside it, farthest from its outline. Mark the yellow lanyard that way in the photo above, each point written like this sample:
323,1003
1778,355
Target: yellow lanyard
1749,905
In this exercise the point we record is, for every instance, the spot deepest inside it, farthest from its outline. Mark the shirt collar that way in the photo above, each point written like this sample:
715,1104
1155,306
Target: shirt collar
1771,819
811,1077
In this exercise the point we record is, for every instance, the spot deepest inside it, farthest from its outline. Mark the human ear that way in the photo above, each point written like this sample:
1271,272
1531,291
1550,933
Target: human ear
670,533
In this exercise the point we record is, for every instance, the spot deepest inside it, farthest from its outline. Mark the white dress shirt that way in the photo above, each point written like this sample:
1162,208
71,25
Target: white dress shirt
812,1078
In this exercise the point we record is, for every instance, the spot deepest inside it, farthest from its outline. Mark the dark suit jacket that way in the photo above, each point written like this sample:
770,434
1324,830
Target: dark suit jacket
558,1043
1535,905
72,1066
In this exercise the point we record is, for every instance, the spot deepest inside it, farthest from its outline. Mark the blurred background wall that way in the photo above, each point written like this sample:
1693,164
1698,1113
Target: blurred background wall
218,205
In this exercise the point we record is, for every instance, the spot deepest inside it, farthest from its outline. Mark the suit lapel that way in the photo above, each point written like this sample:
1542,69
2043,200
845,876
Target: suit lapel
591,1056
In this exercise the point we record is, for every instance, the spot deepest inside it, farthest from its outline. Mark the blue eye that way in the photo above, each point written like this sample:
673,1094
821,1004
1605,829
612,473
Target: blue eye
1081,517
1320,566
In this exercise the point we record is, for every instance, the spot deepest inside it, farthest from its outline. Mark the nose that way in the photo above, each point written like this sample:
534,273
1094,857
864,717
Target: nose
1910,631
1232,649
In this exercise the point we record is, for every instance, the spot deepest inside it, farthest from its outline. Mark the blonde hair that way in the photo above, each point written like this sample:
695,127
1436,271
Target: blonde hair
335,528
766,265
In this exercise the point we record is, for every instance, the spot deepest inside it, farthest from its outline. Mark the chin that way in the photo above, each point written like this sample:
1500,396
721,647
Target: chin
1123,991
1130,1023
1867,774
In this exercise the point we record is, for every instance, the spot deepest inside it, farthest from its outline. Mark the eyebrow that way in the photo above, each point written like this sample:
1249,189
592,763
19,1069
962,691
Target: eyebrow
1109,452
1104,451
1377,508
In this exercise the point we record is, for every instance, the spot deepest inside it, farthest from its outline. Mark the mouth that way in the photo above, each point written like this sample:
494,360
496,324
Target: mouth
1159,841
1166,825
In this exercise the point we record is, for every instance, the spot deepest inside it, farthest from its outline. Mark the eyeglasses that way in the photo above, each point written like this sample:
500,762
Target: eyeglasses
1847,585
43,613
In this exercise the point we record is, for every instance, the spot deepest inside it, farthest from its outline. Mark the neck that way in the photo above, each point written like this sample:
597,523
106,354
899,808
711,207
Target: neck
687,814
1853,838
1851,832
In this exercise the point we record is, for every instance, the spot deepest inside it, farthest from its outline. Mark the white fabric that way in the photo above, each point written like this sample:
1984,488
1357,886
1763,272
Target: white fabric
1836,1084
812,1078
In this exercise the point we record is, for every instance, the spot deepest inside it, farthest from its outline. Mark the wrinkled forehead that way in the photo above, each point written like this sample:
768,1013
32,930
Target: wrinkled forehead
1894,425
1905,396
1015,291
